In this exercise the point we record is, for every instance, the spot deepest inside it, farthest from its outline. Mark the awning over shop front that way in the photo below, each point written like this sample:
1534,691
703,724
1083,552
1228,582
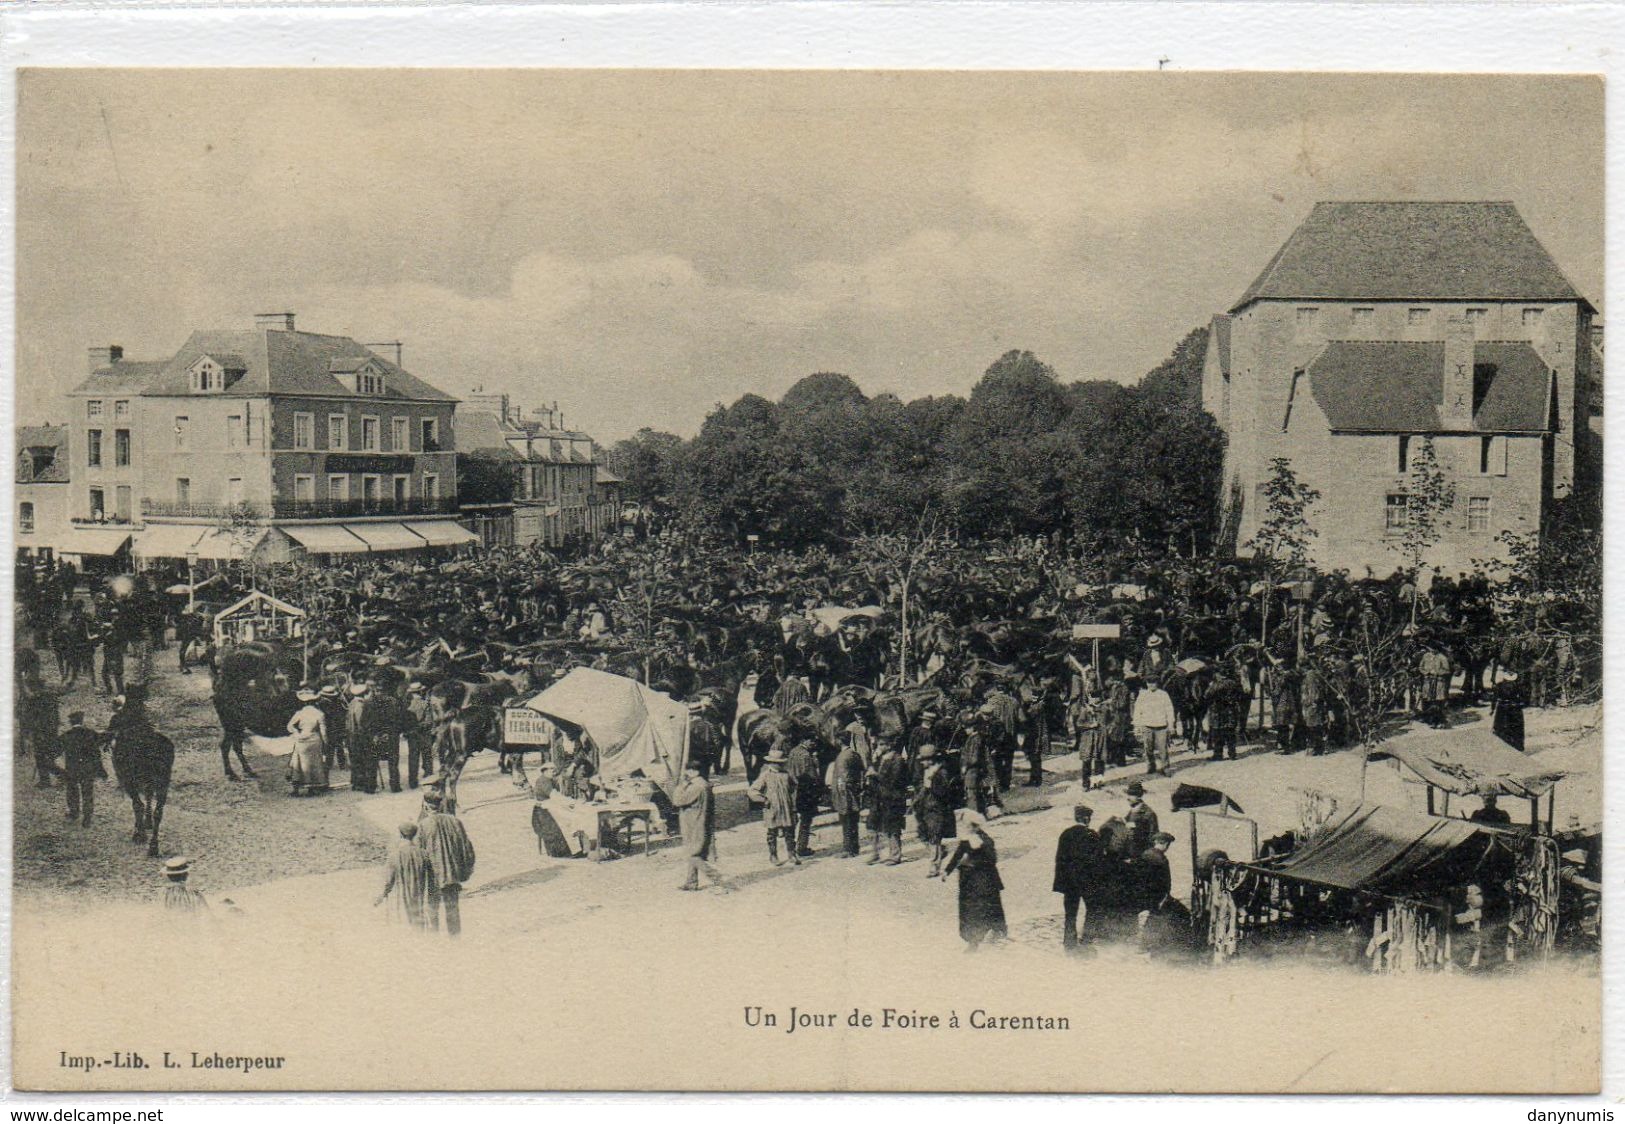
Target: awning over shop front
172,540
386,536
228,545
442,532
325,538
102,541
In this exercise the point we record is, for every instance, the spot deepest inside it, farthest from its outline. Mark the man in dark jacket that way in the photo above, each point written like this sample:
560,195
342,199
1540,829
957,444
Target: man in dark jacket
890,807
846,796
1078,862
1142,821
451,861
1153,883
358,731
82,758
809,788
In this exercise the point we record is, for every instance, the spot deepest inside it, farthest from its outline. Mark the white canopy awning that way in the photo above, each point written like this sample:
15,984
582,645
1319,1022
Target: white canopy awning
325,538
442,532
386,536
219,544
167,540
105,541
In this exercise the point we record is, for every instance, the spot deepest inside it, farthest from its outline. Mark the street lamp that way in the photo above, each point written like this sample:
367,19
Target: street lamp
191,581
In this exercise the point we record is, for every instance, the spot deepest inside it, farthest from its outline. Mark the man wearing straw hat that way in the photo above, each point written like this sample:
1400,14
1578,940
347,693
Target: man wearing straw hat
178,896
774,789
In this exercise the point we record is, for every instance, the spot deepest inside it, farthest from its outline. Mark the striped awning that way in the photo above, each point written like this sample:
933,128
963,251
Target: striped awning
325,538
167,540
442,532
100,541
386,536
228,545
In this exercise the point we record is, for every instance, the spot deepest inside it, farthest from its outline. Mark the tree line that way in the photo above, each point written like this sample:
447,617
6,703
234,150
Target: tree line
1097,461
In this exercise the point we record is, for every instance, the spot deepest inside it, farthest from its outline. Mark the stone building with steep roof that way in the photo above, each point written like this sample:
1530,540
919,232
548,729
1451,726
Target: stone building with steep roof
1377,326
267,441
42,488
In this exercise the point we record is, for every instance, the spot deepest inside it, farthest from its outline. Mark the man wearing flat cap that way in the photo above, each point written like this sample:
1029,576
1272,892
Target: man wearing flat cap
1079,858
450,855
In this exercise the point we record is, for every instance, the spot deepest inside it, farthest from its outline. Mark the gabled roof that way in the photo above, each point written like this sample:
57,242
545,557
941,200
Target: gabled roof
1412,251
1389,386
33,438
272,362
482,434
127,376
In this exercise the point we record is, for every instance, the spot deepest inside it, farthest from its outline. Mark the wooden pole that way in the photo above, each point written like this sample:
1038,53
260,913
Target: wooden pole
1551,807
1430,800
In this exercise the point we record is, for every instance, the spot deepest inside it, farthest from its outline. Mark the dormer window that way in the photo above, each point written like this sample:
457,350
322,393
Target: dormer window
359,375
208,377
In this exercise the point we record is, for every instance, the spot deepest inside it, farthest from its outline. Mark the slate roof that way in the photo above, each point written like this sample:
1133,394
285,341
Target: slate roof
482,434
1387,386
271,362
124,377
1412,251
32,437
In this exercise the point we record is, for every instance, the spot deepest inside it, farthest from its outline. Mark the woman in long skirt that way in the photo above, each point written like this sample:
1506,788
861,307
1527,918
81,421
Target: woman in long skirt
981,901
307,767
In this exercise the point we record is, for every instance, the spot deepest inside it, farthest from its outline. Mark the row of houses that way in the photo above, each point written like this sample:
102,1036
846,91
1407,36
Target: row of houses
272,443
1376,326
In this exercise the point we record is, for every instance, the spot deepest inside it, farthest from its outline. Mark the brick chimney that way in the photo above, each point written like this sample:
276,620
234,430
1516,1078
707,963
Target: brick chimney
105,356
1456,411
273,321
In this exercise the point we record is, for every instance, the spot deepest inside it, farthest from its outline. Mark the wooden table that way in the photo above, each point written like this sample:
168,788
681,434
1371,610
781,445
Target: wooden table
613,819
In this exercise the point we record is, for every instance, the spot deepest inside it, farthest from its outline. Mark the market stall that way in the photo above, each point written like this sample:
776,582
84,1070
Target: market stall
1402,890
258,616
636,740
1472,761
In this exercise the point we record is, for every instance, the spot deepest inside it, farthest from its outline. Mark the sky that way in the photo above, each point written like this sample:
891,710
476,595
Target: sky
642,245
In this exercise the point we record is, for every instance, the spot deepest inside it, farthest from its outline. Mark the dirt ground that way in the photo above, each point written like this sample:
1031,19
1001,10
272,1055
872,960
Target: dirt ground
250,831
586,964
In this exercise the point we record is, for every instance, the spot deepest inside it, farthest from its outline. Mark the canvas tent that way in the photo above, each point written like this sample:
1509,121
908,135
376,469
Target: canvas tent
634,728
1390,851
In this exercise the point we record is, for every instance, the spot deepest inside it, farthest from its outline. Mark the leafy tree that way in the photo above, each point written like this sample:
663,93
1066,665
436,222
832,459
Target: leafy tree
650,463
903,557
1177,380
1008,451
1430,494
1282,540
484,480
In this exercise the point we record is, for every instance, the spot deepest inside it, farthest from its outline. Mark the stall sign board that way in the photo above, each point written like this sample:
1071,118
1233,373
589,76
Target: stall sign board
525,727
1096,631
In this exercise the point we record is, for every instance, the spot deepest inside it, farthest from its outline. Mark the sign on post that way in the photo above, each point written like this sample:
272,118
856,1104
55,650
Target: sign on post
1096,631
525,727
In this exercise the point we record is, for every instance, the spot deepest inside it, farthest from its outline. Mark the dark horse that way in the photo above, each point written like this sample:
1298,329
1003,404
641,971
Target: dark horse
142,761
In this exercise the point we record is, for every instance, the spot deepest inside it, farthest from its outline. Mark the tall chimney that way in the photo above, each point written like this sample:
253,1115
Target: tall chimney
1456,411
105,356
273,321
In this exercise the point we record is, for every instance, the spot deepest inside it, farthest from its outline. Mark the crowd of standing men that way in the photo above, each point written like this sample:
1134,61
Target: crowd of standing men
395,651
